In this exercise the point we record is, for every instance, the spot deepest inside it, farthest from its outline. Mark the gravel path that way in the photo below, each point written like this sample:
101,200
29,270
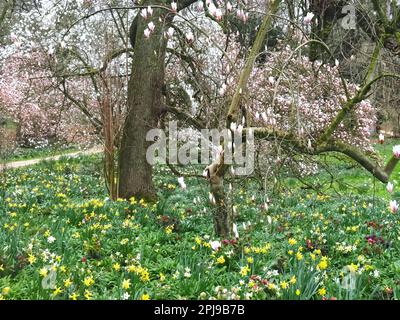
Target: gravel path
26,163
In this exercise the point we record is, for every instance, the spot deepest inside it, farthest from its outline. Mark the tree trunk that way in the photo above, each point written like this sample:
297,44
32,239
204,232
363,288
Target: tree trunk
145,101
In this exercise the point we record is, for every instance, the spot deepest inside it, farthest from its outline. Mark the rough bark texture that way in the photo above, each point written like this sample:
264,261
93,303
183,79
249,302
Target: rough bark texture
145,101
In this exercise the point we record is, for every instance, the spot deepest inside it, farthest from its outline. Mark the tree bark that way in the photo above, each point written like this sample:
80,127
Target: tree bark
145,102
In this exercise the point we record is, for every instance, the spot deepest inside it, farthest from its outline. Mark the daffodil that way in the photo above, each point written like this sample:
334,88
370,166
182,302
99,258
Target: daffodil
221,260
126,283
88,281
145,296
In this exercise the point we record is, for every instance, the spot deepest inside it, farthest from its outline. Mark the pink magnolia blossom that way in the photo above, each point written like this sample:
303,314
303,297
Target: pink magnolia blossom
394,206
390,187
174,6
151,26
308,18
147,33
215,245
396,151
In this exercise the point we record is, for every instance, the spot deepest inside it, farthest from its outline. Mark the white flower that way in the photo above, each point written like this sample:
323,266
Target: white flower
271,80
336,62
182,183
51,239
235,231
308,18
389,187
149,11
229,7
147,33
396,151
144,13
189,36
151,26
215,245
174,6
381,138
170,32
394,206
218,14
126,296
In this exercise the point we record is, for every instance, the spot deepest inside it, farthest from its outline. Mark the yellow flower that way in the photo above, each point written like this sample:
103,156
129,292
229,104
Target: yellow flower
297,292
292,241
88,281
144,275
6,290
290,252
293,280
162,277
221,260
284,285
131,268
43,272
1,267
31,259
116,266
245,270
74,296
353,267
88,295
322,291
271,286
63,269
145,297
57,291
250,260
67,282
323,264
132,200
126,284
299,256
168,230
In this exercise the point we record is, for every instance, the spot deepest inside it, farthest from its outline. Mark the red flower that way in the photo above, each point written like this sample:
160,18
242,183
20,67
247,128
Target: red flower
84,259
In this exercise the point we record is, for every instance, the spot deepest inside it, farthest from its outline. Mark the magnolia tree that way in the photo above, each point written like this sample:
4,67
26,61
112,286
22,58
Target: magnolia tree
30,99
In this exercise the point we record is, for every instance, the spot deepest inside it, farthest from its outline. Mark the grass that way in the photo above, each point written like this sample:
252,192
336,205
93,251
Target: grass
344,176
62,238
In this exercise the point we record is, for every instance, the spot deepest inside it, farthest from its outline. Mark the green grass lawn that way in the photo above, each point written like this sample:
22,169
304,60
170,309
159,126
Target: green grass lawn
62,238
344,176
